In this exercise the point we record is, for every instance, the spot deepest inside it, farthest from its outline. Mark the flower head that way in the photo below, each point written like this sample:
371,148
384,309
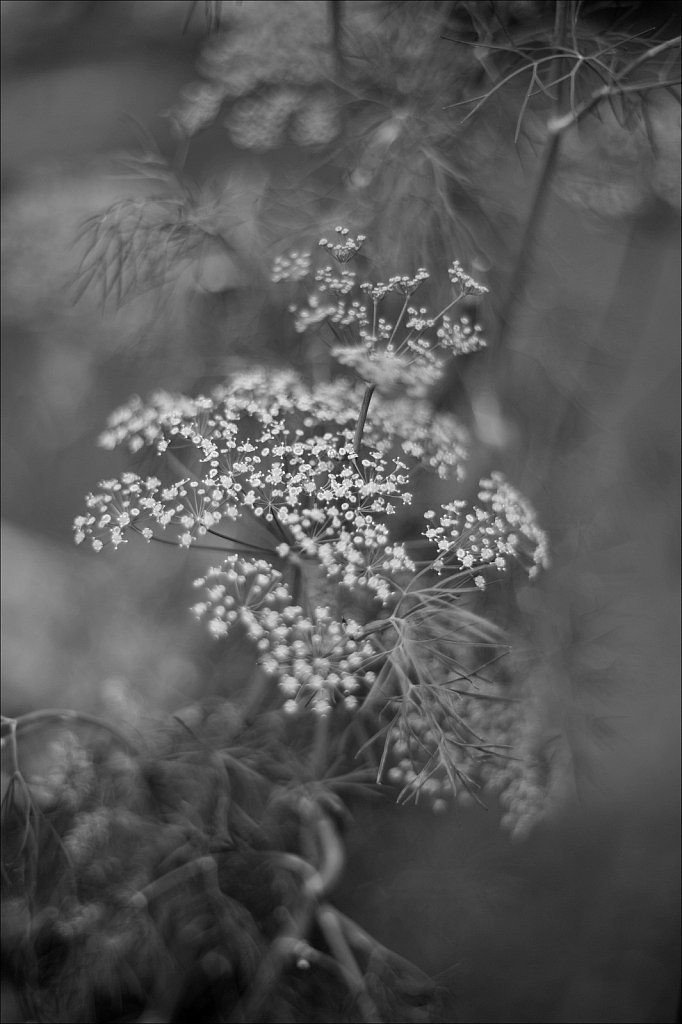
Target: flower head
501,530
345,248
405,353
303,490
316,658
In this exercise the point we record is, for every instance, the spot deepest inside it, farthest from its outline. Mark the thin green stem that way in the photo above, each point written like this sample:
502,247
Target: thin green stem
245,544
517,285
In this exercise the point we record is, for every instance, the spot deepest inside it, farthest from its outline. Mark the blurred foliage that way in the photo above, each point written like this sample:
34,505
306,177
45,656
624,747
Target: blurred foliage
182,875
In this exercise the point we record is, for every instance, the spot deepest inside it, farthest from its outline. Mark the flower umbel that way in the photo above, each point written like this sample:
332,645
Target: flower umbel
403,350
305,491
316,659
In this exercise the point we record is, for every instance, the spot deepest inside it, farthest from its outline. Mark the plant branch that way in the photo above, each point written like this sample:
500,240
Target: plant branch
362,418
331,928
556,126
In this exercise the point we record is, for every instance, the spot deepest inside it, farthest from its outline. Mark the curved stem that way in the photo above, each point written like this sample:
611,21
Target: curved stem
331,928
315,886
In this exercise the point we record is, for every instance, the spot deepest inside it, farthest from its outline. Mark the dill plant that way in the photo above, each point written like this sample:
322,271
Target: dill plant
218,839
300,486
570,83
215,842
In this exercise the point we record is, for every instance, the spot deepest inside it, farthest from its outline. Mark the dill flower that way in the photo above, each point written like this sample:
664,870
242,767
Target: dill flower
345,248
303,491
293,267
463,281
171,423
316,658
279,409
505,529
301,486
406,354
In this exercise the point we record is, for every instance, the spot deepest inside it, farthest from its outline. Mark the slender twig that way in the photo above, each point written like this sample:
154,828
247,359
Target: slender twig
556,126
362,418
335,8
516,287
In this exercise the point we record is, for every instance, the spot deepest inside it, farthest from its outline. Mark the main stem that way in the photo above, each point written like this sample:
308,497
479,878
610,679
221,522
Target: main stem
362,418
517,285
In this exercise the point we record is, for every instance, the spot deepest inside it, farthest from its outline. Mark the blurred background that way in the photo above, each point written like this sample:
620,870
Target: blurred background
577,399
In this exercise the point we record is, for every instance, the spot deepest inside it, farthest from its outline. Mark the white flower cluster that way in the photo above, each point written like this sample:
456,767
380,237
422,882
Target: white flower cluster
329,279
152,423
143,505
505,529
264,459
293,267
400,283
407,353
463,281
240,590
317,659
299,487
459,338
434,440
320,309
345,248
312,495
391,371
